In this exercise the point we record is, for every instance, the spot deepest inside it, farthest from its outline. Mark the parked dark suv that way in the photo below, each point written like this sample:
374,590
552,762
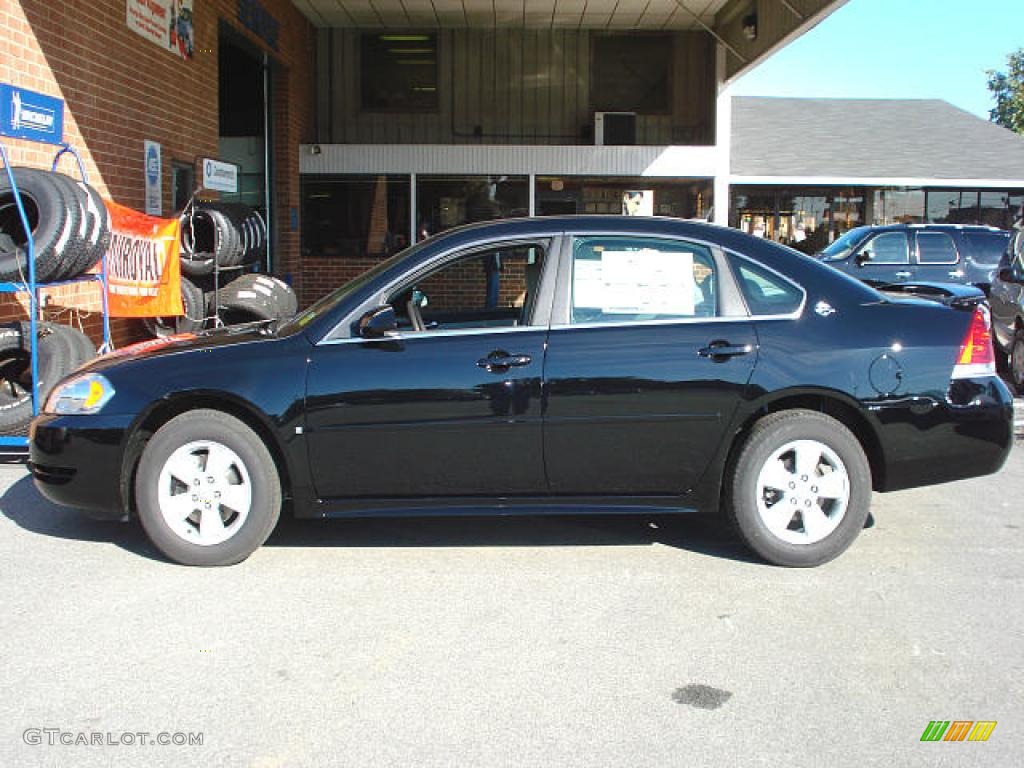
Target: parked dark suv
912,253
1007,303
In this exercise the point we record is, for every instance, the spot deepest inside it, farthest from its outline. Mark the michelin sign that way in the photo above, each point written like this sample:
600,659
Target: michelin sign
29,115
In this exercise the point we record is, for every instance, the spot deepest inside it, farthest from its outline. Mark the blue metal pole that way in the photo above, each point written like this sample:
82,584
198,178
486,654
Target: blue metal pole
33,298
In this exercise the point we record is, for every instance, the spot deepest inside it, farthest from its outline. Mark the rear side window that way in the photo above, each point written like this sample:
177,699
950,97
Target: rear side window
936,248
987,247
636,279
765,292
888,248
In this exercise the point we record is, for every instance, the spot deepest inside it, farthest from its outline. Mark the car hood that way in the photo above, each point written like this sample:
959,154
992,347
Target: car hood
187,342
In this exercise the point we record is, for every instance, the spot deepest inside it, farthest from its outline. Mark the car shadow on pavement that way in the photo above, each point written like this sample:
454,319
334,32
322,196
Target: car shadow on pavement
23,505
702,534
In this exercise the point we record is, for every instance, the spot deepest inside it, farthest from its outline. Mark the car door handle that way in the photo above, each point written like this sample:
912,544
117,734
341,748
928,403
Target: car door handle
720,351
902,275
956,273
502,361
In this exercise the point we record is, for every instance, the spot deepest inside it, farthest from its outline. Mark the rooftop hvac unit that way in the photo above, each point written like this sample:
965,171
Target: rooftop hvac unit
615,128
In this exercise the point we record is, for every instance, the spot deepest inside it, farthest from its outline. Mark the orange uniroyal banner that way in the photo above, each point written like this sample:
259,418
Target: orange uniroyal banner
143,268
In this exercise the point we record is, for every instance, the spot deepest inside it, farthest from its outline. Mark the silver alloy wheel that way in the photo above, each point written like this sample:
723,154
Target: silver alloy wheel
204,493
803,491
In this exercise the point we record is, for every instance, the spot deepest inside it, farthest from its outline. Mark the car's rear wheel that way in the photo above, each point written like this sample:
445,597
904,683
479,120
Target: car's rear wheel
207,489
1015,362
800,488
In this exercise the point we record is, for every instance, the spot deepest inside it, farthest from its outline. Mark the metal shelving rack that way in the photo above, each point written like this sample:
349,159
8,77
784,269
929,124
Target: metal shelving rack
32,288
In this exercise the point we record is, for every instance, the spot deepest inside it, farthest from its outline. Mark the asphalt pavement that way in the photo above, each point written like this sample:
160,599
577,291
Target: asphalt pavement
515,642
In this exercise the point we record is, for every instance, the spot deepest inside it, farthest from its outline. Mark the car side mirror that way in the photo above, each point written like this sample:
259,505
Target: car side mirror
863,257
378,323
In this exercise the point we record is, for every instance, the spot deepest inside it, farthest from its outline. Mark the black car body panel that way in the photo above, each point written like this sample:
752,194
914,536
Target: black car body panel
594,417
905,253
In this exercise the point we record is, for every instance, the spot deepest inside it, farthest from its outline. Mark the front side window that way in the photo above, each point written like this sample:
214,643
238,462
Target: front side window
936,248
636,279
888,248
493,288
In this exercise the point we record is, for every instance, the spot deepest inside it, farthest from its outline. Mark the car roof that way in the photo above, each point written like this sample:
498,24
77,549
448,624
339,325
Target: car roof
939,227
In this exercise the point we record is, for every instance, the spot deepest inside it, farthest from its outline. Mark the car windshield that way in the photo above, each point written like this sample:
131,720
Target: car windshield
842,247
333,299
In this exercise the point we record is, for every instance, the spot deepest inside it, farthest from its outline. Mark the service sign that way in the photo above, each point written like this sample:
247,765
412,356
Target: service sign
220,176
29,115
168,23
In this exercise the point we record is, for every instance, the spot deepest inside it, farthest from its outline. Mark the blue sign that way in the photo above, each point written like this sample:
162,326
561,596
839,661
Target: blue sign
29,115
153,164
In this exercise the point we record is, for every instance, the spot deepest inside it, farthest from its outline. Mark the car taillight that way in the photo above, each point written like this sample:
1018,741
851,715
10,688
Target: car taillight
977,358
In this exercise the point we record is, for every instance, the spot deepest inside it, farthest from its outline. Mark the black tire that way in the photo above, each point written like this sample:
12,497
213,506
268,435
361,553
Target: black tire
770,435
246,300
192,321
208,239
53,220
68,262
284,296
99,235
81,349
219,428
1015,362
55,361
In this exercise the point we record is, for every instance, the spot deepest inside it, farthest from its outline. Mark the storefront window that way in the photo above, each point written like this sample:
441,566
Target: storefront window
805,218
443,202
952,206
898,206
687,199
354,216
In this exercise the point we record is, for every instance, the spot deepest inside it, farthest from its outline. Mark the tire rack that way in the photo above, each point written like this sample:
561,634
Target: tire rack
32,288
187,214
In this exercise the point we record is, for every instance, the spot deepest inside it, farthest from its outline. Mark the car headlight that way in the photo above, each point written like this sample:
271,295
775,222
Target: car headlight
83,394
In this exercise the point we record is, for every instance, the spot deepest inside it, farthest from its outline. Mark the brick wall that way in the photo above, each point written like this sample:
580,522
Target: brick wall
120,89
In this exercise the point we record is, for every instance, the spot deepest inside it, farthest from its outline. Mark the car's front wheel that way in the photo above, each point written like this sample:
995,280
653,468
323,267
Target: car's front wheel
800,488
207,489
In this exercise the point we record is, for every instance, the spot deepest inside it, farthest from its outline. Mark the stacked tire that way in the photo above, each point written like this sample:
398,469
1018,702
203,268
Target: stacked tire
221,235
68,220
60,350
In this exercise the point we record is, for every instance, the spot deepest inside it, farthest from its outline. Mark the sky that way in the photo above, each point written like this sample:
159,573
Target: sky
926,49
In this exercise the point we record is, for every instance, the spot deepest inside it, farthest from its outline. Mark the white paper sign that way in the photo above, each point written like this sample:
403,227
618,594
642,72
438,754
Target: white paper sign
154,176
220,176
647,282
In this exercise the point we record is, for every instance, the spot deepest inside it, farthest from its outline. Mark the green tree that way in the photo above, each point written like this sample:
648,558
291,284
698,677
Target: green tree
1008,90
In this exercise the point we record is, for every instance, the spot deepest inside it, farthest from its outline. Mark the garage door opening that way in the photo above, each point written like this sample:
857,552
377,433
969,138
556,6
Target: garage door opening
245,135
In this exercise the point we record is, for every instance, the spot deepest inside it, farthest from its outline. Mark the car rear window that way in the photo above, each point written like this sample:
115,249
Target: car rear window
988,247
766,293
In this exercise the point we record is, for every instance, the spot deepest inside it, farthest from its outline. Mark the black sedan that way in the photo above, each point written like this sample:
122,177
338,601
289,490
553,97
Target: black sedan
542,366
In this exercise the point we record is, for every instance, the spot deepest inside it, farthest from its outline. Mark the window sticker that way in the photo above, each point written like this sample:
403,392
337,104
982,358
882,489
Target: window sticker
643,282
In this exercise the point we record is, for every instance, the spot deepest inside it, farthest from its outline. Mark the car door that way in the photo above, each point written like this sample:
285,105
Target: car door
1006,295
884,258
449,405
648,356
938,259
